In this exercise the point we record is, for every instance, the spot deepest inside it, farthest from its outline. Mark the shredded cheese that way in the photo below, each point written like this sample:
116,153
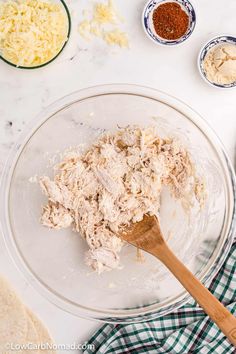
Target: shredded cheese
116,37
104,13
103,16
85,29
32,32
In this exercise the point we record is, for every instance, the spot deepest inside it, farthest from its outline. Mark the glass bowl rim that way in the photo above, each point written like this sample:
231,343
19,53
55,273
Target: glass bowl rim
52,59
144,313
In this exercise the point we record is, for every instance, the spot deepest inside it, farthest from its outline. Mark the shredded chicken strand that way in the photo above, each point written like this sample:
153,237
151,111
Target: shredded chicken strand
116,182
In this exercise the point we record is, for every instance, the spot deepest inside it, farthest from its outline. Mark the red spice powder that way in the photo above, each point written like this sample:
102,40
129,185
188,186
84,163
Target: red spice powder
170,21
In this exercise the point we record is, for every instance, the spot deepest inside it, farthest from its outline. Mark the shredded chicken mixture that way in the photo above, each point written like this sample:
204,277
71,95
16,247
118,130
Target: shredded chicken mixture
118,180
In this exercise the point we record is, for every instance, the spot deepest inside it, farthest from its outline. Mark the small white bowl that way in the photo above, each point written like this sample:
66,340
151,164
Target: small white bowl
215,41
148,26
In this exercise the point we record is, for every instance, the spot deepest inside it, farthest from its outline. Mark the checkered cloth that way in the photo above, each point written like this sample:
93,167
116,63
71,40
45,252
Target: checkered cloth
188,330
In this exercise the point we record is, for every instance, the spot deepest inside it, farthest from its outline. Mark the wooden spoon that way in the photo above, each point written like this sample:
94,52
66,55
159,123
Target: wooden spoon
147,235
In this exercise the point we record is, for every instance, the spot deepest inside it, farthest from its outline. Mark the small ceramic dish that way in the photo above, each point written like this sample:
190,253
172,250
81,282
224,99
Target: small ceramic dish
149,27
205,50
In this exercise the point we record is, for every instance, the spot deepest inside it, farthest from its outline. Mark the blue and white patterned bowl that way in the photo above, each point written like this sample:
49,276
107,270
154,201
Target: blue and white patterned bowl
149,27
203,52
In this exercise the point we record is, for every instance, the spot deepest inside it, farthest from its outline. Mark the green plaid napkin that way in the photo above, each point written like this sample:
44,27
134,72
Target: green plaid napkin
188,330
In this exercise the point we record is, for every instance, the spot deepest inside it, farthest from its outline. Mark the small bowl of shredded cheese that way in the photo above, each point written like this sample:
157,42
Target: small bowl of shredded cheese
33,32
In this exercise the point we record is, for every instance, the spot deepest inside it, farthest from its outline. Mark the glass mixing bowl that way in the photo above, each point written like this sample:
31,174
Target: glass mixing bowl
53,261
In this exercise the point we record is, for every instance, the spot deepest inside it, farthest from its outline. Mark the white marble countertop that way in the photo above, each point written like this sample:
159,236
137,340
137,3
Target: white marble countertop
24,93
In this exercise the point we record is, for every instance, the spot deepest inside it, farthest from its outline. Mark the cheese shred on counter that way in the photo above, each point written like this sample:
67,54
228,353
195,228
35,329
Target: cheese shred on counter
104,24
32,32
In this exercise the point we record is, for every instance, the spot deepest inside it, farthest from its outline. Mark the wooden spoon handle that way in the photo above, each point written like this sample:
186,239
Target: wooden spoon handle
216,311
